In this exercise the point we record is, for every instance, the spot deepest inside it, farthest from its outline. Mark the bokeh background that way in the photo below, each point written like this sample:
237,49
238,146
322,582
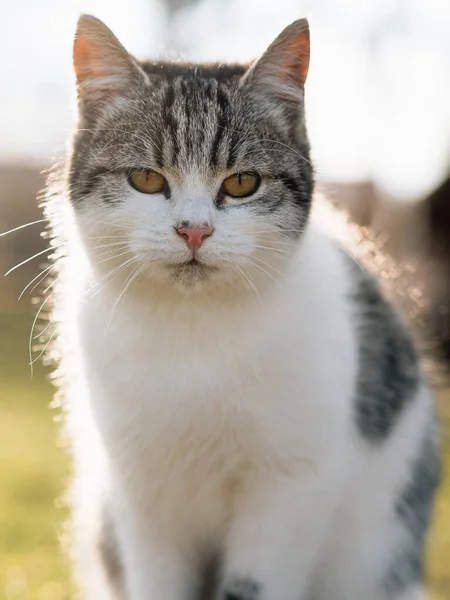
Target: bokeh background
378,109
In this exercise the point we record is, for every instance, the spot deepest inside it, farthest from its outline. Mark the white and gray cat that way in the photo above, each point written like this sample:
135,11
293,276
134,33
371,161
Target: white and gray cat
242,401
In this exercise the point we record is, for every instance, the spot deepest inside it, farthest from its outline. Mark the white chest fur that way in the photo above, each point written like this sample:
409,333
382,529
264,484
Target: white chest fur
200,388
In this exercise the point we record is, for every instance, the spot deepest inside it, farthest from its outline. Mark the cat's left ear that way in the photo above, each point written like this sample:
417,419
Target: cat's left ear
103,68
282,70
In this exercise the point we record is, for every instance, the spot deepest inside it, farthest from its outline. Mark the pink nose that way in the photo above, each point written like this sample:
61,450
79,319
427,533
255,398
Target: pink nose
194,236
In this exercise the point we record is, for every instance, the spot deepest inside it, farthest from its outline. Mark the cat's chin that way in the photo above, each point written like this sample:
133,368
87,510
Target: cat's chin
196,278
191,275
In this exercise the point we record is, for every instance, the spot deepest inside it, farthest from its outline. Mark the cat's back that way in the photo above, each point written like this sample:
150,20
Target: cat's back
390,377
394,467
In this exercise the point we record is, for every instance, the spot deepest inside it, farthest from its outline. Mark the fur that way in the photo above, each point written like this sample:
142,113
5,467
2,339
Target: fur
249,422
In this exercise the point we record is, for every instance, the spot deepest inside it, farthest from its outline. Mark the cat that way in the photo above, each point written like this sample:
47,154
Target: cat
248,415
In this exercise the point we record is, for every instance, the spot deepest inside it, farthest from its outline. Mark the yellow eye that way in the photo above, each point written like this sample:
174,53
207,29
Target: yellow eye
241,185
147,182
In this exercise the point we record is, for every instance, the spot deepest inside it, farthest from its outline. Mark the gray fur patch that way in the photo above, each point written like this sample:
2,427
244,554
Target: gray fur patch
242,589
109,552
388,371
198,117
414,508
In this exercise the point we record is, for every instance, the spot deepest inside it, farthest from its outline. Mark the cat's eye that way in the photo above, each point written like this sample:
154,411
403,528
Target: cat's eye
241,185
147,182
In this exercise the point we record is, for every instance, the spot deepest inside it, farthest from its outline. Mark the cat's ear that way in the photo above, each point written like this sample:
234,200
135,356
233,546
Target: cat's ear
282,70
103,68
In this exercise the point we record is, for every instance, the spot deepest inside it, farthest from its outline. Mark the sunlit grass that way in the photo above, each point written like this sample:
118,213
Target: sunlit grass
439,545
33,476
34,471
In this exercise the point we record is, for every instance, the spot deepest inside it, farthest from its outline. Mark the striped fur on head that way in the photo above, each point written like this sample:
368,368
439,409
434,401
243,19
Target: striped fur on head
196,125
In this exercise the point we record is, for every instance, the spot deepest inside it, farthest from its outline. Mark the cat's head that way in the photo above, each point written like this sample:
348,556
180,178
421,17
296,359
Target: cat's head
191,175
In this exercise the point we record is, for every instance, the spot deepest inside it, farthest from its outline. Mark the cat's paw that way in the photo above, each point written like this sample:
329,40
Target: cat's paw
241,588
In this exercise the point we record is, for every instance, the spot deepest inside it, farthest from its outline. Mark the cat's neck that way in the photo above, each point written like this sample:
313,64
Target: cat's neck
156,321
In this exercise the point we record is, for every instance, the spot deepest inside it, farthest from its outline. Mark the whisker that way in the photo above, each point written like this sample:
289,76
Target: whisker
50,285
46,345
276,231
355,260
244,139
281,243
44,272
108,237
254,264
269,265
95,130
278,250
24,262
248,280
109,245
38,335
30,340
108,276
134,275
23,226
111,257
112,223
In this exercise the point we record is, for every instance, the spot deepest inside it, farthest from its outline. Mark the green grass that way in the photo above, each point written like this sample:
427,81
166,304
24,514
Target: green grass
33,476
34,472
439,544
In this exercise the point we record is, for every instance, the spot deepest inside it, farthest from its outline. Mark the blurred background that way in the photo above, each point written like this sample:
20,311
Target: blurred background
378,110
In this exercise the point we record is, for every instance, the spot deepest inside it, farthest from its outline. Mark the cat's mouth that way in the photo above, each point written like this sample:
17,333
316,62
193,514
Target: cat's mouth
192,268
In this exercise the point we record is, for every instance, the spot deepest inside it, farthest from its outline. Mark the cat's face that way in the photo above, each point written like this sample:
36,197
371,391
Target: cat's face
196,176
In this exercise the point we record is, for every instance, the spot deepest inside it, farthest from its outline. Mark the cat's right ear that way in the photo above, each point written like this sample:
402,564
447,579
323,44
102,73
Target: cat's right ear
104,69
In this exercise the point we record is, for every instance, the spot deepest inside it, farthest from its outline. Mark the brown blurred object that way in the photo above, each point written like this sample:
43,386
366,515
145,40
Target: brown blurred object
437,206
413,233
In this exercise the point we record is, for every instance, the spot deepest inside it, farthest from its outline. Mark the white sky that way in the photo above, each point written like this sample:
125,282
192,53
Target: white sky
378,92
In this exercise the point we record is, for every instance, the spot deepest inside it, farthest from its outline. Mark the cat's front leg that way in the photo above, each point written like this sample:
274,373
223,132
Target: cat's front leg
155,564
275,536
